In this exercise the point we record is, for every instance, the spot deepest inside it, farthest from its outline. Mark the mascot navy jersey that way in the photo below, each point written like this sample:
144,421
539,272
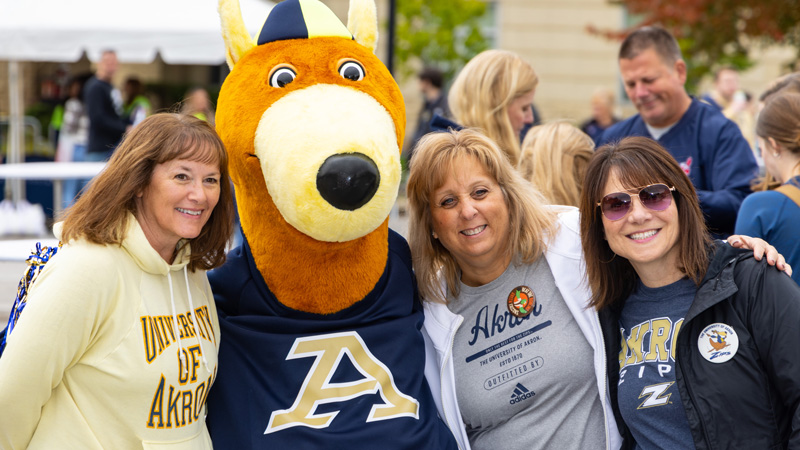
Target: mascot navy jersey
349,380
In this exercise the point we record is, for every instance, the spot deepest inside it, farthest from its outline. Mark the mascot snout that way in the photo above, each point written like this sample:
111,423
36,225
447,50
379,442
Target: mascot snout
348,181
300,140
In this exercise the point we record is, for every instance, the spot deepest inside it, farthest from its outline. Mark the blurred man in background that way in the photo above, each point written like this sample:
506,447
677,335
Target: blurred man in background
104,107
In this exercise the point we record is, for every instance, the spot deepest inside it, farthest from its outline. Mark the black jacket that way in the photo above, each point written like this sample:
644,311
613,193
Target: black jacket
751,401
106,125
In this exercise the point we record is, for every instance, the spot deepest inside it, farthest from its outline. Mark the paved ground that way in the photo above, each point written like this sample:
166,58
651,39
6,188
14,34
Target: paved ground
11,271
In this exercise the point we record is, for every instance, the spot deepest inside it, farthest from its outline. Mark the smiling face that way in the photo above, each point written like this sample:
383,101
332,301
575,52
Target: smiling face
470,219
646,238
177,203
520,112
655,88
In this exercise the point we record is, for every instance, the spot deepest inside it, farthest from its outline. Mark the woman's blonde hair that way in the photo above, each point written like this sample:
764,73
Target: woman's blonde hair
101,214
482,91
434,158
554,158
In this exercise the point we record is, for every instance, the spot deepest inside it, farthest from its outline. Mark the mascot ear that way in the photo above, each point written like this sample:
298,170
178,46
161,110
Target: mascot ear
362,21
237,39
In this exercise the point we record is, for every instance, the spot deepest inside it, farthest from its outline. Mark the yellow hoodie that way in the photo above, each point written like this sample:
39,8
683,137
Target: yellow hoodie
94,361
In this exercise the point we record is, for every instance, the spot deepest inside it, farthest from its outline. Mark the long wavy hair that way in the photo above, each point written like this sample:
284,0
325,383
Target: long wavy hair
101,214
434,158
483,90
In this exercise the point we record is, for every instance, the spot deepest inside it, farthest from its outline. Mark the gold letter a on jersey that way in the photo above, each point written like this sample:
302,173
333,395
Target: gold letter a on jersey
317,389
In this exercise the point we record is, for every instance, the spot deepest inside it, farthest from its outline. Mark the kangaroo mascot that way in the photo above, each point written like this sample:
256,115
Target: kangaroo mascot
319,315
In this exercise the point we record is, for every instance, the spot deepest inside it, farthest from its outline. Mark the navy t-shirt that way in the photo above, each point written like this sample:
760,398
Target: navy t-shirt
647,395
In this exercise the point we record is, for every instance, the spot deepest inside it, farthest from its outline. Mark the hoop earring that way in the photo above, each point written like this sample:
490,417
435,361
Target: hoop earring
612,258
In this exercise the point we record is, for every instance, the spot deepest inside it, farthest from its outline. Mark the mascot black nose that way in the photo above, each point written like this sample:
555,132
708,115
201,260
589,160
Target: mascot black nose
348,180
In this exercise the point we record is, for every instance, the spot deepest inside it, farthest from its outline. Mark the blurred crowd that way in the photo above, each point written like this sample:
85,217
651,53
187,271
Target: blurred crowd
598,248
714,136
681,340
95,115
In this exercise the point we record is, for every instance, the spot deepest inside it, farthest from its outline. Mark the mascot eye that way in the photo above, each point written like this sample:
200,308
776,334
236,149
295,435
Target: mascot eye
352,71
281,77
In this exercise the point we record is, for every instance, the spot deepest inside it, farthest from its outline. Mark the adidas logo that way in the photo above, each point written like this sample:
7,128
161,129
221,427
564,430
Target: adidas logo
520,393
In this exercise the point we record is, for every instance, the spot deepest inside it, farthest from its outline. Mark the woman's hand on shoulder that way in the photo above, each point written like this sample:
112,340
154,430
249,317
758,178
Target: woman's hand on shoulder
761,248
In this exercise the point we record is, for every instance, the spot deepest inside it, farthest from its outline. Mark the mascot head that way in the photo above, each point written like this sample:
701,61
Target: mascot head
313,122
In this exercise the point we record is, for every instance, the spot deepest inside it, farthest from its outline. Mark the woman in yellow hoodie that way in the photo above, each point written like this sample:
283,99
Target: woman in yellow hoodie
117,346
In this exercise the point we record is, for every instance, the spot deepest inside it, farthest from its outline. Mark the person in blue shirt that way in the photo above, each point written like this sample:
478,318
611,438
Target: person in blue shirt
773,215
709,148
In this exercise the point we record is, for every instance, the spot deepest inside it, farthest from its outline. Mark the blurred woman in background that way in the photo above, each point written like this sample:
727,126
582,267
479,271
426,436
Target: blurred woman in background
554,158
198,104
136,105
774,215
73,137
494,93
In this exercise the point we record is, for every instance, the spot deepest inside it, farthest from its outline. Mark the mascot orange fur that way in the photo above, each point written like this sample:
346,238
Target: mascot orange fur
320,320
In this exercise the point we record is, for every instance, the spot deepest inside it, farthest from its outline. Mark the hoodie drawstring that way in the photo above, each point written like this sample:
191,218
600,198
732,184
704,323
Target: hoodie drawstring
175,320
191,306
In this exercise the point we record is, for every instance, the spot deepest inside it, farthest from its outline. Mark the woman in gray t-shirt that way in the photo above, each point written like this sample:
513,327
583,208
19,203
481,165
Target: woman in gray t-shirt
519,355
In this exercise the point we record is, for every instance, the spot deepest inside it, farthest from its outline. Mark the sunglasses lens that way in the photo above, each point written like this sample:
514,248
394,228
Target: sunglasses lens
656,197
616,205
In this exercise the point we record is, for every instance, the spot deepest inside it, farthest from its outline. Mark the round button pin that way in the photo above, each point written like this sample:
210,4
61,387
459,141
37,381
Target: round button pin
718,343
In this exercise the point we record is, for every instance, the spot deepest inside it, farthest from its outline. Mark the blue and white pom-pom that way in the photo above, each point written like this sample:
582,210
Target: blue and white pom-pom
36,263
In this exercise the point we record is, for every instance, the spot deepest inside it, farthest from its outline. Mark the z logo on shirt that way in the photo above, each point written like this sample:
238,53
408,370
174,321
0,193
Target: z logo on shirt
317,389
654,395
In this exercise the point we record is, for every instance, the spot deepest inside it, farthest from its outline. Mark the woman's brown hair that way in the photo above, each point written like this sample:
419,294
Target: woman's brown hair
101,213
637,162
780,120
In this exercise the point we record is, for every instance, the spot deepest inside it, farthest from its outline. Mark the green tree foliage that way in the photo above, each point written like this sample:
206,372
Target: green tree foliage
440,33
714,33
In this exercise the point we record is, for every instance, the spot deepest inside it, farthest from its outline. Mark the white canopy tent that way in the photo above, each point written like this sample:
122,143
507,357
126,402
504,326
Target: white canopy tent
180,31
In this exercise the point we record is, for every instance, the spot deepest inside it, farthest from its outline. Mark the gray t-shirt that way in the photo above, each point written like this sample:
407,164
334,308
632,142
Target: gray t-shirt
524,380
